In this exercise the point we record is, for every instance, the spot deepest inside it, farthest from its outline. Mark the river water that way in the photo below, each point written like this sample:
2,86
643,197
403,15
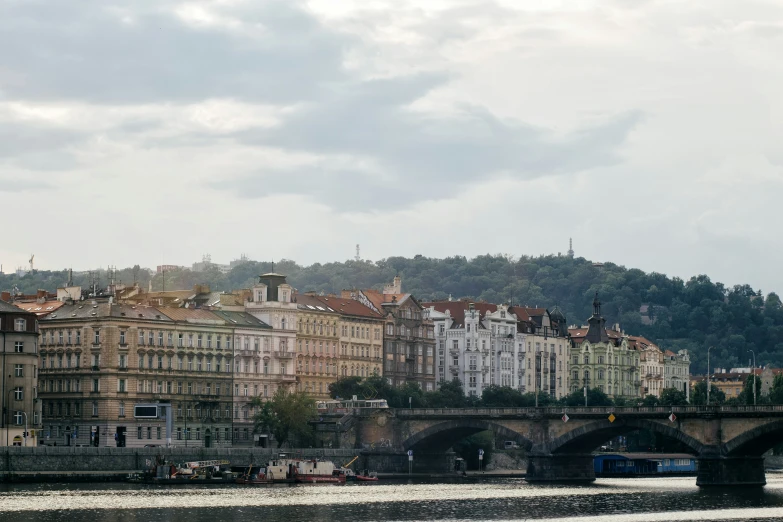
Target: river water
611,500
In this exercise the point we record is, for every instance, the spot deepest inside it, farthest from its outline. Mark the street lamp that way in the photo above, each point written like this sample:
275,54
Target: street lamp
753,375
708,375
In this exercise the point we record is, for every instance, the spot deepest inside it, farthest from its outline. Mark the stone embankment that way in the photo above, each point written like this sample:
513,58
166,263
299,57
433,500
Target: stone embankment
46,462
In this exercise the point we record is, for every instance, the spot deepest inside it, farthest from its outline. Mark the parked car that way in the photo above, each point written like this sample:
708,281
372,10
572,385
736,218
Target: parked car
510,444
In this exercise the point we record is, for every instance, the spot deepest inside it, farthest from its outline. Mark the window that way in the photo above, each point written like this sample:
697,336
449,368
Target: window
94,408
122,336
20,325
121,386
18,347
96,337
122,409
123,361
141,362
18,393
18,418
138,432
18,370
96,385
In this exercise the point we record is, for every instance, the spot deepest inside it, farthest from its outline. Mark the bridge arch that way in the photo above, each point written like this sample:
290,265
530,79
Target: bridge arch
442,436
756,441
588,437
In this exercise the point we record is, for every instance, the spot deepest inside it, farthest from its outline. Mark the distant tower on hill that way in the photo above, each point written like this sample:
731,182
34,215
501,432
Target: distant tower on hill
570,247
358,258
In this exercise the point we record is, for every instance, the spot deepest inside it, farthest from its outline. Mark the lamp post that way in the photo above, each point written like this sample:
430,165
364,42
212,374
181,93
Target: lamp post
708,375
753,375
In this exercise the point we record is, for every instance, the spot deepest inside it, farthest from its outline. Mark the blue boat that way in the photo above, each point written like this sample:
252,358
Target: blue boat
643,464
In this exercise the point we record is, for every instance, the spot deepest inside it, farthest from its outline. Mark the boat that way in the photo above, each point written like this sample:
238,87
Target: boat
277,471
367,478
285,470
318,471
161,471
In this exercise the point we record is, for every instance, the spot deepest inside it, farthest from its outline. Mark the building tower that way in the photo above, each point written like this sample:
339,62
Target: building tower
570,247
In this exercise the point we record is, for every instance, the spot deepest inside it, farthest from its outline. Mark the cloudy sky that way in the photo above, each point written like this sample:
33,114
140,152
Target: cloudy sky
146,132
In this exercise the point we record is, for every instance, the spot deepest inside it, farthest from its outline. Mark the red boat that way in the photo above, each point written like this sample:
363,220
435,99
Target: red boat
366,478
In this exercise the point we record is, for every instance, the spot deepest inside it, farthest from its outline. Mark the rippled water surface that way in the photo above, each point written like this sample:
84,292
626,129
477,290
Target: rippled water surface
615,500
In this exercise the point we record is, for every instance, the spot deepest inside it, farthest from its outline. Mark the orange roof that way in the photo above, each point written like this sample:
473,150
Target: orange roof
337,304
40,309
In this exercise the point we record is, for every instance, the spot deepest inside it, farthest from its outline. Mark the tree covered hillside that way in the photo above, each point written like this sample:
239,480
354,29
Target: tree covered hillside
677,314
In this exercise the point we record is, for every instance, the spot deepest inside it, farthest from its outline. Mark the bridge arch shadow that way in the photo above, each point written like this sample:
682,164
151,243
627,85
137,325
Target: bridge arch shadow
442,436
589,437
755,442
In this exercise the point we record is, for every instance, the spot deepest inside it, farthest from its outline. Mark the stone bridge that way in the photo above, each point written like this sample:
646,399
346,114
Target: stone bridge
728,441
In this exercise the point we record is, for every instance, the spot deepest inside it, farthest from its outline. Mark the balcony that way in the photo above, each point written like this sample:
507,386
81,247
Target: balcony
288,378
283,355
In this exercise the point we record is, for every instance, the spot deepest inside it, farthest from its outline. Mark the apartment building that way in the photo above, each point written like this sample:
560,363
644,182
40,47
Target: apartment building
21,414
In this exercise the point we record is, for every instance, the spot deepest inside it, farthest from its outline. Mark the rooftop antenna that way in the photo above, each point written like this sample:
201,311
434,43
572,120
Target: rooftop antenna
570,247
32,258
358,258
70,277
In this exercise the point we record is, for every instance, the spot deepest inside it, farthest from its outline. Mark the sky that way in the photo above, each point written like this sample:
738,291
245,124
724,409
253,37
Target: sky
155,132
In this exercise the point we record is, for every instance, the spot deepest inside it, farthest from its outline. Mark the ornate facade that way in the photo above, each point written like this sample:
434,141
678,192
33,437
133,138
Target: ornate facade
604,359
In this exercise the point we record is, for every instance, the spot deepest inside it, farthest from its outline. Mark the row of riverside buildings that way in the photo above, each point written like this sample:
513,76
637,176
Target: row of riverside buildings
79,362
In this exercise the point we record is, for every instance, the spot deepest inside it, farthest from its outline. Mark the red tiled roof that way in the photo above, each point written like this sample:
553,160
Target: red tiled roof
39,309
337,304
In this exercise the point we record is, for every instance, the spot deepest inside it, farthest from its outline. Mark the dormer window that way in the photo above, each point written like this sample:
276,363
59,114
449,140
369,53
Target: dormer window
259,296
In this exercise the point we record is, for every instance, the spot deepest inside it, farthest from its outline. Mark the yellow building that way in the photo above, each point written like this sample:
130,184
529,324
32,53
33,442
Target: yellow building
317,338
337,337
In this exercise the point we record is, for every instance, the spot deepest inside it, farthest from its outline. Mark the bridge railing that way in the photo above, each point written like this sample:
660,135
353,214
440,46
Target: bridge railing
596,410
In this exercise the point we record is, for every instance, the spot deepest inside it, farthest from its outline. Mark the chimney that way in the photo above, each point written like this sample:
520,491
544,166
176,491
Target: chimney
5,296
41,293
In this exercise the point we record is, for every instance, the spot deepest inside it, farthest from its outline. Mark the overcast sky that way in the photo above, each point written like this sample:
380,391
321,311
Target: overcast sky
157,131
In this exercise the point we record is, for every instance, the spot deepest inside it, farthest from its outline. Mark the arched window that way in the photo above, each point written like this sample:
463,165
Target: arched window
587,375
282,323
587,359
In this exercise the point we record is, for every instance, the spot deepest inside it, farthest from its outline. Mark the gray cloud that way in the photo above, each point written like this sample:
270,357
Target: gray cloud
82,50
438,155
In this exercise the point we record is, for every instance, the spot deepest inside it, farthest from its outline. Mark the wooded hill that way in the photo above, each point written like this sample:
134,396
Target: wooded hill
676,314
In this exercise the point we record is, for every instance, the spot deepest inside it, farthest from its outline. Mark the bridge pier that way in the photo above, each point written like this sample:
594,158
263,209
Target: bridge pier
560,468
716,471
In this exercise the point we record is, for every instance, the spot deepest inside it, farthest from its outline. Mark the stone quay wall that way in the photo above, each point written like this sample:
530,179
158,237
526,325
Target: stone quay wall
63,460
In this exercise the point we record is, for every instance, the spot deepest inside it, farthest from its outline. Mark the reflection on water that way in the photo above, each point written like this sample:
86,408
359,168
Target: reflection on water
618,500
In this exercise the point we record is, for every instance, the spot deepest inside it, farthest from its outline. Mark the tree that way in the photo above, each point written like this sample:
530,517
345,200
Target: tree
346,388
450,394
776,393
699,394
746,395
595,397
495,396
673,397
650,401
286,416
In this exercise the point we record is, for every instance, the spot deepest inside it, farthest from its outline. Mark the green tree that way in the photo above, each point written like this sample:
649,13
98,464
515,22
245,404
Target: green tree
346,388
286,416
699,394
450,394
776,392
495,396
650,401
746,395
595,397
673,397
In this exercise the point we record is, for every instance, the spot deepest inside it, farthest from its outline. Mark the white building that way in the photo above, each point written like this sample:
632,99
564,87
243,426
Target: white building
482,344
